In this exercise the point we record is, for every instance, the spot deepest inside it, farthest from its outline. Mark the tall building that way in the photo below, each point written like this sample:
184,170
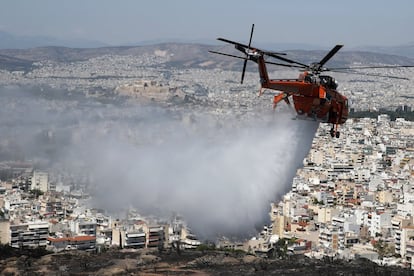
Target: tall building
406,237
40,181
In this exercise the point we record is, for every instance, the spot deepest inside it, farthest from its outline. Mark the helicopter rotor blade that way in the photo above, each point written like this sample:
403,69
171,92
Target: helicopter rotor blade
368,74
285,65
268,62
232,42
251,35
330,55
242,47
272,53
228,55
304,66
247,57
370,67
244,70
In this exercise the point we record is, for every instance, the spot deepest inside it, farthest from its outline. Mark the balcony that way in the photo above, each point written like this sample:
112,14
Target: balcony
135,244
135,235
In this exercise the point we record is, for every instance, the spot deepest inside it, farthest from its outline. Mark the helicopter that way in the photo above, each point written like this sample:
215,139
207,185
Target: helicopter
314,93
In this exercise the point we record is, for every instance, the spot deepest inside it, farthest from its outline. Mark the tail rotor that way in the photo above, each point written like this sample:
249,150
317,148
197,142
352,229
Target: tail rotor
252,54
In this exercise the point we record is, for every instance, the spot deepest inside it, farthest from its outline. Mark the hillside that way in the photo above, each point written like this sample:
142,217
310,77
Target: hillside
183,55
152,262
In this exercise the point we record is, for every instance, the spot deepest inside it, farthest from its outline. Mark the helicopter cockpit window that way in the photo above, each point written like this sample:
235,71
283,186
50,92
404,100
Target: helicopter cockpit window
334,84
310,78
329,82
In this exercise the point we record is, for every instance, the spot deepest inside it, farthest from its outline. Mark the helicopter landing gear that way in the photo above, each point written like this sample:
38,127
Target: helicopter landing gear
334,132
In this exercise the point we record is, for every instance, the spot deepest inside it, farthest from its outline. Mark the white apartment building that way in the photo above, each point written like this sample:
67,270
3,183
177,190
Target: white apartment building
380,223
405,238
84,226
398,223
405,209
329,237
31,234
40,181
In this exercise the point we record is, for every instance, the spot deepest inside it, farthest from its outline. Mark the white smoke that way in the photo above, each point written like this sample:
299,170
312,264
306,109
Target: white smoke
219,174
220,179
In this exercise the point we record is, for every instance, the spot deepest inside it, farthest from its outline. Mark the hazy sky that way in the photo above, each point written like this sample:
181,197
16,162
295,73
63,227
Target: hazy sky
324,22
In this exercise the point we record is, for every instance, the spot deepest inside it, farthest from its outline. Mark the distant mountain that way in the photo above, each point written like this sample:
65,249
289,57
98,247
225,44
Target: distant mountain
14,64
402,50
185,55
10,41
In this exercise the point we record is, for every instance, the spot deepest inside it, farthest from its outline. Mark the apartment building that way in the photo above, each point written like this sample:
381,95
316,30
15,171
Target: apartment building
405,237
380,224
40,181
83,226
30,234
134,239
329,238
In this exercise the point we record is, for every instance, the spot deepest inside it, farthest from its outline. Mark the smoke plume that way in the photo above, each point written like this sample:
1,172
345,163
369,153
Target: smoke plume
220,174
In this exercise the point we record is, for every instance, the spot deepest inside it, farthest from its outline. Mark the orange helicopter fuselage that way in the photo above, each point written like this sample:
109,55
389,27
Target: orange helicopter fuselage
312,99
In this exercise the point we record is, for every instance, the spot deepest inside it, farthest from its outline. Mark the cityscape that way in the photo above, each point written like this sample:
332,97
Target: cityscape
350,197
